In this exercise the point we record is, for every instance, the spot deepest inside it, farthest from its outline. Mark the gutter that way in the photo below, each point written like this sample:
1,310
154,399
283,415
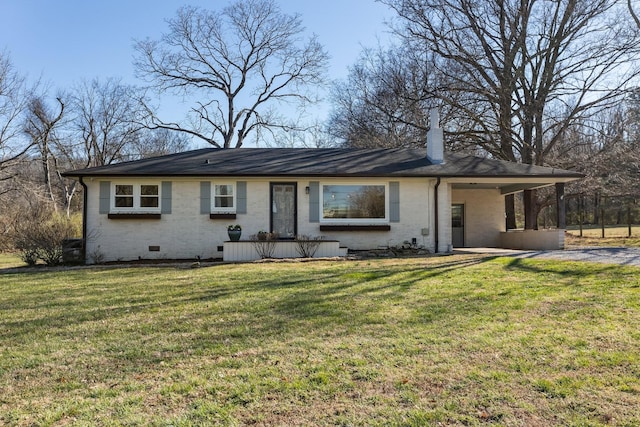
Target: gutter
84,219
435,217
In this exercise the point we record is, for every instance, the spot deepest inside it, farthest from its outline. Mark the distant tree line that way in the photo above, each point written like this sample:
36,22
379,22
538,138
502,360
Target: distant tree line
95,123
92,124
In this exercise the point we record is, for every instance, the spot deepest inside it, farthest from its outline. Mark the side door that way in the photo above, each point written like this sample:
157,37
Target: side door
457,225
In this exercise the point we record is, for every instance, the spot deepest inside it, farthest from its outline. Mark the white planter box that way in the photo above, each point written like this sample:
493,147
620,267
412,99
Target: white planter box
245,250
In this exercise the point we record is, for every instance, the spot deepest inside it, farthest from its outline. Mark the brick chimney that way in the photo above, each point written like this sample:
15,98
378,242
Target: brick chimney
435,139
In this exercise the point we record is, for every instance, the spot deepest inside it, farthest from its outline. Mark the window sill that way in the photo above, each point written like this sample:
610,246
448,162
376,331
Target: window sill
134,216
355,227
222,216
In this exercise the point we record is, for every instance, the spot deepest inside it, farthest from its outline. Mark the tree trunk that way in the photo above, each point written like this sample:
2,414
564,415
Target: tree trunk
510,211
46,172
561,207
530,210
581,212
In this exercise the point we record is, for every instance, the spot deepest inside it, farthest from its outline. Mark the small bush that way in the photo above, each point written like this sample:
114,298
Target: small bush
264,244
307,245
39,235
29,256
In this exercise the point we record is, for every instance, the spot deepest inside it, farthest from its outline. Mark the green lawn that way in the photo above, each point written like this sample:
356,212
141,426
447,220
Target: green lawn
454,340
10,260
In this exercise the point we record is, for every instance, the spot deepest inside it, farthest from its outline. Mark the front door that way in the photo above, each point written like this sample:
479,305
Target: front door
284,219
457,225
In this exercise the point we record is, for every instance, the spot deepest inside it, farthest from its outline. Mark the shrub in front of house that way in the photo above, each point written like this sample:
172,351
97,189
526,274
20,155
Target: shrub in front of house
307,246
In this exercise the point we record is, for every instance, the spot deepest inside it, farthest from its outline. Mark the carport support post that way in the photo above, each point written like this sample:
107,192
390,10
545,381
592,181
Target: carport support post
561,206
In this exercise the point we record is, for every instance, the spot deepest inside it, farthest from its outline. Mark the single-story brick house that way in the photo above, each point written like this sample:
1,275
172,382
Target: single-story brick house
179,206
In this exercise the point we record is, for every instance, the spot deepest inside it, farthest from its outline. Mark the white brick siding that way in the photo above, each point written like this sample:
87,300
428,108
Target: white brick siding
187,234
484,216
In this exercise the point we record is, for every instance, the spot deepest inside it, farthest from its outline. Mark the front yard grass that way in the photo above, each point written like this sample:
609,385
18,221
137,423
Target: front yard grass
453,340
10,260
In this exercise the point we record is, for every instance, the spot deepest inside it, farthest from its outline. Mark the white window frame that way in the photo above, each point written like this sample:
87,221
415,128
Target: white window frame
384,220
226,209
137,195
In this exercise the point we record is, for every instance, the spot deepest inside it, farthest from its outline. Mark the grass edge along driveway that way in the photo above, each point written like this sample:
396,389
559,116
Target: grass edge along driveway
457,340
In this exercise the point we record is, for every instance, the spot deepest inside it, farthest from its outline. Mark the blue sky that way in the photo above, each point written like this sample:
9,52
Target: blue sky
69,40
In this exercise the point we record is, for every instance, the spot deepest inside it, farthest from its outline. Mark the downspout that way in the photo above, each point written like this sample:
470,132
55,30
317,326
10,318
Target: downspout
435,216
84,220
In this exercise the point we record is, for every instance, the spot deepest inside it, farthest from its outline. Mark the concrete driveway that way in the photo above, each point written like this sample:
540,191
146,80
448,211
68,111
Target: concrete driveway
605,255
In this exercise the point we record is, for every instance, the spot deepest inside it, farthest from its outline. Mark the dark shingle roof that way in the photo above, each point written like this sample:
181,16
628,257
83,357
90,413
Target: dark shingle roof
318,162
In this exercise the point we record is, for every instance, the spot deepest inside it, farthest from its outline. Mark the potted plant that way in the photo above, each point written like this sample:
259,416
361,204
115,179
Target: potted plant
234,232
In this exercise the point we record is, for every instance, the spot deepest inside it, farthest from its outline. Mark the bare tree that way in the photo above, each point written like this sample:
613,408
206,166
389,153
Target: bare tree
157,142
476,45
609,151
13,103
310,135
536,66
50,131
585,63
41,124
385,100
107,120
633,117
98,125
240,61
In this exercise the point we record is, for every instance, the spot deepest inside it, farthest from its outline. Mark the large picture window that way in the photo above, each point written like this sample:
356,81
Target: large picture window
136,197
359,202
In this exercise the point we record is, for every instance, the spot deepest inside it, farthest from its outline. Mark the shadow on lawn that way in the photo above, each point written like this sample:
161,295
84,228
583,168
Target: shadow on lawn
327,294
69,315
575,269
363,296
238,312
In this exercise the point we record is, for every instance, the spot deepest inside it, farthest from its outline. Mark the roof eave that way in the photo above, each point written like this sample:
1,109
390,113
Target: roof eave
555,177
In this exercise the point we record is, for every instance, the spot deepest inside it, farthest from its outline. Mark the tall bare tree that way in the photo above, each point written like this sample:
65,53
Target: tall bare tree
239,63
41,124
107,120
56,151
13,104
385,100
537,66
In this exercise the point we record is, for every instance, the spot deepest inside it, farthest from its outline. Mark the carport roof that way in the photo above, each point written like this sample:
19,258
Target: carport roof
326,162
